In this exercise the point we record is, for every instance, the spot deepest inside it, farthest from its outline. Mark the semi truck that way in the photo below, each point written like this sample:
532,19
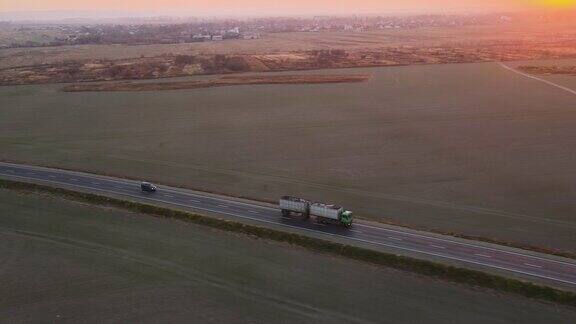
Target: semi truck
322,213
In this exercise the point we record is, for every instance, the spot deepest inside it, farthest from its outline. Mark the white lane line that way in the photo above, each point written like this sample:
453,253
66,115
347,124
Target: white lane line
538,79
356,231
223,206
395,238
168,196
125,182
378,228
437,246
95,183
52,176
199,195
194,200
533,265
483,255
337,235
430,237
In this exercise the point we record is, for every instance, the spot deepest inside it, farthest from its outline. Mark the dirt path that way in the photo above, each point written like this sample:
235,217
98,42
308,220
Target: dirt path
538,79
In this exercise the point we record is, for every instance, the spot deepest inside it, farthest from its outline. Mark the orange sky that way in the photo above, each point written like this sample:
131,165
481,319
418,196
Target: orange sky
256,7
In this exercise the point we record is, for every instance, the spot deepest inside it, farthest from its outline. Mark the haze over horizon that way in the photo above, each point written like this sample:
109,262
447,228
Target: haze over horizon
60,9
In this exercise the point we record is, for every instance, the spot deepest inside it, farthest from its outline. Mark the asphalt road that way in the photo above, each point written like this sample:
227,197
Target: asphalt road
544,268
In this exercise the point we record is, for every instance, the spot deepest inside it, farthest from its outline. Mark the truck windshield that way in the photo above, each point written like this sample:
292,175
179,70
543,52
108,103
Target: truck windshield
346,217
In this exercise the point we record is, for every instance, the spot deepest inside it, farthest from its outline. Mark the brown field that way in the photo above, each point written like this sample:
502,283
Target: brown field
165,66
224,81
487,35
514,41
289,52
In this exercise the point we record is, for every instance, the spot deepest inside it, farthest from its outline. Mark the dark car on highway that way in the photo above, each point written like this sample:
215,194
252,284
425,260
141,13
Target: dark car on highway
148,187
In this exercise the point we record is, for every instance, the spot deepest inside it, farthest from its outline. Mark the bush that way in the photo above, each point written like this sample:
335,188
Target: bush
237,64
184,59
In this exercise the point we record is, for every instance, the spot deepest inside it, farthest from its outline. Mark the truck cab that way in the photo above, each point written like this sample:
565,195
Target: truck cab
147,187
346,218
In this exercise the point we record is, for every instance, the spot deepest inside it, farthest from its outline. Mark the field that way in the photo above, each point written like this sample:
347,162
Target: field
102,264
465,148
560,35
288,52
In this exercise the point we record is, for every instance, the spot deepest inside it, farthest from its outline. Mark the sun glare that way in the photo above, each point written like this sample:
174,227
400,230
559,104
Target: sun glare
558,3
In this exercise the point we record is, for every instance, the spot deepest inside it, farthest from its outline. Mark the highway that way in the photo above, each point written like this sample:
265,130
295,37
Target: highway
541,268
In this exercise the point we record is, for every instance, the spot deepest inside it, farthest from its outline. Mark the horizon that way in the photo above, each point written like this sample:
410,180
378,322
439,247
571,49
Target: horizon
93,15
65,9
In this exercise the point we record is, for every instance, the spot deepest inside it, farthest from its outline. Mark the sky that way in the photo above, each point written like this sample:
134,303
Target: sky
274,7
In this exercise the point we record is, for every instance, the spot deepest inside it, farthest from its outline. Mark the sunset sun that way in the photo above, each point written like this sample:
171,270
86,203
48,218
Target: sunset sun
558,3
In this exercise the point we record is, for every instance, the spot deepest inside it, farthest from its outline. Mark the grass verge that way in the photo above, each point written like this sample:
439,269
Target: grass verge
432,269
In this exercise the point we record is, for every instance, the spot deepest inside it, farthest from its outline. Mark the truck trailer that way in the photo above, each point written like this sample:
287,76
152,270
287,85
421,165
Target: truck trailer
322,213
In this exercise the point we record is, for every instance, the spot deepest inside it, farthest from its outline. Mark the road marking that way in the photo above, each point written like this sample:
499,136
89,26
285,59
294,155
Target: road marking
166,195
200,195
430,237
223,206
52,176
356,231
95,183
395,238
533,265
483,255
74,179
471,261
437,246
194,200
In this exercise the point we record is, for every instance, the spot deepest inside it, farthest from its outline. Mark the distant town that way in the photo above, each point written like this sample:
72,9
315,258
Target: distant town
187,30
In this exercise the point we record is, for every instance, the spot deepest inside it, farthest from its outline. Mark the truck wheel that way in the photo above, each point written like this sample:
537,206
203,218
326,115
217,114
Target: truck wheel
285,213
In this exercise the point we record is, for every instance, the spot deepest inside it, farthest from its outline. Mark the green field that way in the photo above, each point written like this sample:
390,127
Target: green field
62,260
469,148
